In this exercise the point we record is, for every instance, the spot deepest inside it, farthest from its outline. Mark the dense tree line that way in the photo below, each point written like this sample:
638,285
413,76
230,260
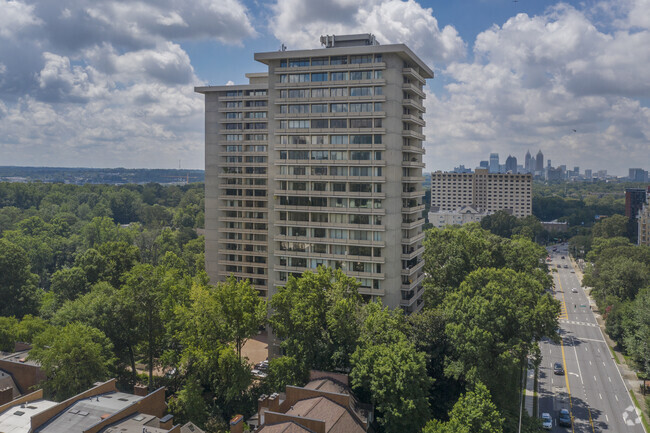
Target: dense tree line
113,277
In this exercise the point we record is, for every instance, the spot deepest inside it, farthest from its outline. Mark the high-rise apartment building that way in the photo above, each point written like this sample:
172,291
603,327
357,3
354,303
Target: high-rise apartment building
319,162
464,197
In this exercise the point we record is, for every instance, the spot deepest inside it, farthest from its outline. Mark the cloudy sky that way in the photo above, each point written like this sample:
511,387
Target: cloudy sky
107,83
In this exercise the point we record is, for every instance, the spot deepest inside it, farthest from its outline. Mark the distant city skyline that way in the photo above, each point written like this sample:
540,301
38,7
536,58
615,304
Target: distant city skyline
107,84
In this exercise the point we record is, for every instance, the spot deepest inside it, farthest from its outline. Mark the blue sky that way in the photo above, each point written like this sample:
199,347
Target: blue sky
108,83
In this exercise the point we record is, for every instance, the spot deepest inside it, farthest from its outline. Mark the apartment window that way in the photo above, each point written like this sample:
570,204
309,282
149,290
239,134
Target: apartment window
319,154
233,104
361,59
338,234
319,76
361,107
339,60
320,93
233,93
338,155
319,217
360,91
233,137
296,63
298,93
233,115
361,123
297,124
360,75
339,249
298,154
298,139
319,186
379,58
379,91
378,139
339,76
319,108
339,108
338,171
360,139
339,91
360,171
338,123
319,123
379,74
256,115
319,170
233,125
298,78
338,187
338,139
319,61
298,108
319,139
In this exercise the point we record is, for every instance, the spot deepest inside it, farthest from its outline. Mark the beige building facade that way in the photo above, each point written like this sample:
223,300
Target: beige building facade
459,198
319,162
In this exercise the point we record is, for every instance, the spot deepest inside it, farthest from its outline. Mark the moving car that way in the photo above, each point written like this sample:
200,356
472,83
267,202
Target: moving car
558,368
564,419
574,290
547,421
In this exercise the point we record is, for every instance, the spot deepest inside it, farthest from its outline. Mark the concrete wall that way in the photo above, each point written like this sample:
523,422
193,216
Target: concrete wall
26,376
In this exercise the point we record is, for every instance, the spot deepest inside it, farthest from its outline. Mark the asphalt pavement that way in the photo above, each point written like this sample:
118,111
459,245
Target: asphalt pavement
592,388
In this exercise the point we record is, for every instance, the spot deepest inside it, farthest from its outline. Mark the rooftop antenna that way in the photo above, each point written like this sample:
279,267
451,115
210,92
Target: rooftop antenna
283,47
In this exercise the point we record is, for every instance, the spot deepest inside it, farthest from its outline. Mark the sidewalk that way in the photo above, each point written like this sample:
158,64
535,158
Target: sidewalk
530,391
630,378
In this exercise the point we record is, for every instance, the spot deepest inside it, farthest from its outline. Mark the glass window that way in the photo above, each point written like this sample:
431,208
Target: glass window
319,154
361,123
338,139
339,108
338,123
298,78
356,155
319,76
379,74
320,93
298,139
339,76
338,155
361,139
319,61
319,170
379,90
319,108
339,60
379,106
299,108
360,91
339,91
295,124
283,63
295,63
361,75
362,107
338,171
361,59
338,187
298,154
319,123
319,139
379,58
298,93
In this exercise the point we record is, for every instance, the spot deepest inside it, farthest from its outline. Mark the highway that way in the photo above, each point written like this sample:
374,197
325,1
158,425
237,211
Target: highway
592,388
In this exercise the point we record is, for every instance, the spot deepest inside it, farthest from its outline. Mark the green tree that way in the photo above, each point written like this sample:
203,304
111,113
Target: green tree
611,227
500,223
18,289
241,309
638,333
495,318
120,258
69,283
283,371
474,412
8,333
395,377
73,358
316,316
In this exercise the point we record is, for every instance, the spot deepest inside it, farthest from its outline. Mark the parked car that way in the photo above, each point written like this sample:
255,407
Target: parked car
564,419
558,368
574,290
547,421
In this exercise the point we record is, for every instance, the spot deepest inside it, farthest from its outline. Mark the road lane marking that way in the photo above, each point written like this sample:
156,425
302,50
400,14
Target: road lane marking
606,417
566,377
600,395
577,360
616,397
610,379
595,380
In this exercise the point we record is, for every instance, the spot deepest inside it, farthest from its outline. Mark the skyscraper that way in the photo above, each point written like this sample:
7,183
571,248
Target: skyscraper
319,162
539,161
528,164
511,164
494,163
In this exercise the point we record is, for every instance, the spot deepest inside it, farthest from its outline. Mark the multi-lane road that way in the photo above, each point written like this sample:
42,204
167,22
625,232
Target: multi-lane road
591,388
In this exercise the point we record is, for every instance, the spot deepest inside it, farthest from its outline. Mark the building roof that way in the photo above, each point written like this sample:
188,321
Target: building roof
337,418
284,427
17,419
329,385
190,428
87,412
21,358
135,424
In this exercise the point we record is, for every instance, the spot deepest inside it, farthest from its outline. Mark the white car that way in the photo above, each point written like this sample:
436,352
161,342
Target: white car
547,421
574,290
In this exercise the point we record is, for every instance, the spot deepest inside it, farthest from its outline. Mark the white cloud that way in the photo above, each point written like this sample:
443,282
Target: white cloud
300,23
15,16
105,82
534,80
